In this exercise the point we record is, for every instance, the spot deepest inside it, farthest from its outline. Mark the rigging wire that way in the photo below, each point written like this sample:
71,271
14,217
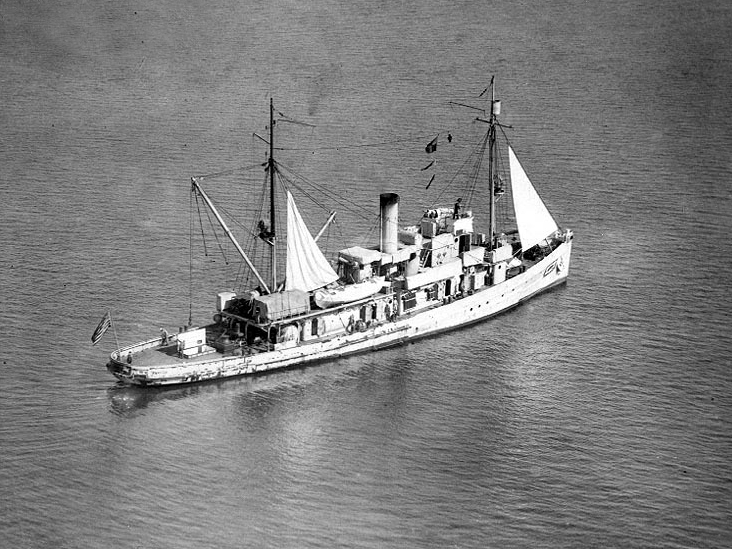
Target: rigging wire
347,204
473,177
216,235
501,204
253,248
190,260
231,217
374,219
200,222
478,151
229,172
412,139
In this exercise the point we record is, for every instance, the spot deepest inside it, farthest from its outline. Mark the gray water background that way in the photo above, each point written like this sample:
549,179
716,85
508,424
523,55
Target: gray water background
598,414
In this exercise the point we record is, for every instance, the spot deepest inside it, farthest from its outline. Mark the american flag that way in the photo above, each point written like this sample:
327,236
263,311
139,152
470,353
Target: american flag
104,325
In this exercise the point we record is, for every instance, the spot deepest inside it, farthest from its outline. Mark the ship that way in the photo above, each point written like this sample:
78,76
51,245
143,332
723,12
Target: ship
422,279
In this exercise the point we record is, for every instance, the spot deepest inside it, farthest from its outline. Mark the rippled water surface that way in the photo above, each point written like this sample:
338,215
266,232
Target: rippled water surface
597,414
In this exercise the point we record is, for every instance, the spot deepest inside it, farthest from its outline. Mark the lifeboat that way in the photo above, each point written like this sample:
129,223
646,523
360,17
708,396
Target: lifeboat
340,295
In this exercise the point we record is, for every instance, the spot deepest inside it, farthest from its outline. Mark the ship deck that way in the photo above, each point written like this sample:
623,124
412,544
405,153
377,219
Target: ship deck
156,356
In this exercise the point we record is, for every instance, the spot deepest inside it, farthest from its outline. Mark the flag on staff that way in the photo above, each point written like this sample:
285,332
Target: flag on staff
104,325
431,146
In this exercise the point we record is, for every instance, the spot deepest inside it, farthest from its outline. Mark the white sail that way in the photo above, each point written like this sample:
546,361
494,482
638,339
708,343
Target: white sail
307,268
534,221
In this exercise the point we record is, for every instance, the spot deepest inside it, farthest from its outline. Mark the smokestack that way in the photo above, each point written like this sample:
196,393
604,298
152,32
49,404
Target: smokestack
389,222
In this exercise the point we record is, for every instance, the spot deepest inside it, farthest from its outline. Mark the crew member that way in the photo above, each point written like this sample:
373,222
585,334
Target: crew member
456,211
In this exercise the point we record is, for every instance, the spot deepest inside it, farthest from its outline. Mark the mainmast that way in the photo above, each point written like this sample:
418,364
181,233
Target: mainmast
492,155
271,168
492,159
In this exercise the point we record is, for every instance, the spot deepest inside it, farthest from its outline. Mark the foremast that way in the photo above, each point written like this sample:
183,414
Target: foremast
310,266
271,169
271,235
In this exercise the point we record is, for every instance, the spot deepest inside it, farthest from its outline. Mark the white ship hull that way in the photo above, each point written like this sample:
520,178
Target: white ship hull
470,308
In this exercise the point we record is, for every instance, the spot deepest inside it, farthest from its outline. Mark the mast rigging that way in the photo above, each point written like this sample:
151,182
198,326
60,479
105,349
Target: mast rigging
196,187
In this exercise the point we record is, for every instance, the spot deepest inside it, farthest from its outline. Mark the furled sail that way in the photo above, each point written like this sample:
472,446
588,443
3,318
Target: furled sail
307,268
534,221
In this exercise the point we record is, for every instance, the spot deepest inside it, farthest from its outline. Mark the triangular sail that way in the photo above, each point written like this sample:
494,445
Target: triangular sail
534,221
307,268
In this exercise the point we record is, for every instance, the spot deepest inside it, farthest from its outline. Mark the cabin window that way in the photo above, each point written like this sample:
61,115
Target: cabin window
314,327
